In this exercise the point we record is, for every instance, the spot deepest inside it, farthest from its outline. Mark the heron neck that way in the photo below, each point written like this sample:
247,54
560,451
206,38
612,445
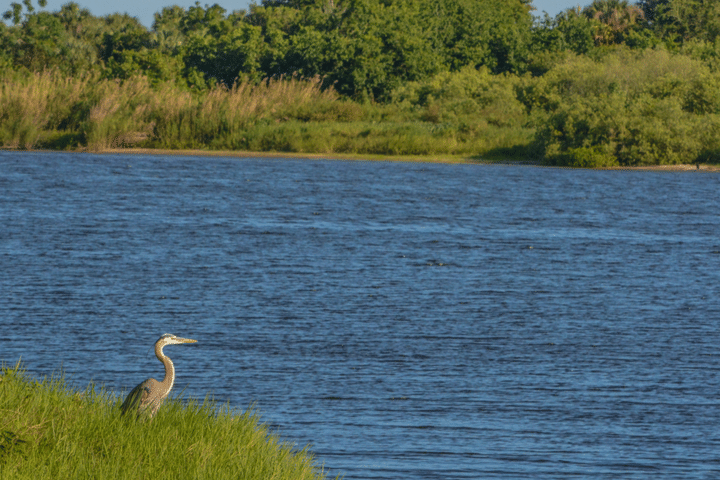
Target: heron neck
169,379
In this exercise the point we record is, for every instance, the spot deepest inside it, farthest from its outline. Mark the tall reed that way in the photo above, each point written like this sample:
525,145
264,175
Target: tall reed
47,110
220,117
36,103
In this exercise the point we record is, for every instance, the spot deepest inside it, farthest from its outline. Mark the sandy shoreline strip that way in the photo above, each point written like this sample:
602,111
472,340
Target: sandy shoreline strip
308,156
457,159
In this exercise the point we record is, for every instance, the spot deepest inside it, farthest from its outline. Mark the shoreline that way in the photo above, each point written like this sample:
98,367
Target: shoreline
447,159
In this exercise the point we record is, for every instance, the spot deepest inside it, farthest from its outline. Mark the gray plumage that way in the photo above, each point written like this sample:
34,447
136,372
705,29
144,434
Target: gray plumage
150,394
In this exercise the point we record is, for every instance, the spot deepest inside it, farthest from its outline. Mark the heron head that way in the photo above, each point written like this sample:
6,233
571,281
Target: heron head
170,339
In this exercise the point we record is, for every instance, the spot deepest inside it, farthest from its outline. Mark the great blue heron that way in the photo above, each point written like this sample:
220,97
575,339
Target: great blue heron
150,394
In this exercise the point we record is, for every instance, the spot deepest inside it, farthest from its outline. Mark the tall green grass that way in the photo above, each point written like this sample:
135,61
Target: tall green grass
47,110
48,430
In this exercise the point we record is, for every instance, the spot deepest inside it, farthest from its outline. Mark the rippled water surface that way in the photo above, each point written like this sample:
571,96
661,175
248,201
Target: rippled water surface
410,321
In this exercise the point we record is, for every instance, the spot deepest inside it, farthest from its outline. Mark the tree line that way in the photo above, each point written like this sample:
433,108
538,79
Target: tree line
386,52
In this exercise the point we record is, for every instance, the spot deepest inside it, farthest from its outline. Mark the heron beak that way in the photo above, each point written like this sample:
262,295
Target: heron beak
186,340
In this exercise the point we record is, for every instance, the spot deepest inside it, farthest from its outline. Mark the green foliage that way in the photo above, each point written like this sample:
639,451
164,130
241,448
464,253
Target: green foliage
231,55
367,48
39,42
362,48
681,20
465,97
554,38
593,86
123,32
640,109
15,12
707,52
363,52
585,157
567,31
49,430
83,40
156,66
477,114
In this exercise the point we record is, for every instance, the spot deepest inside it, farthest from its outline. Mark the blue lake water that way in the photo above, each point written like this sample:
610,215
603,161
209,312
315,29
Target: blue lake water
410,321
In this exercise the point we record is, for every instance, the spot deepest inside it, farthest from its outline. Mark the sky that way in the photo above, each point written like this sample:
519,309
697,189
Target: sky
144,9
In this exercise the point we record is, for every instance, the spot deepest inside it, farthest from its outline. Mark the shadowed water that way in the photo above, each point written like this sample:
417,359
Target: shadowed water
409,320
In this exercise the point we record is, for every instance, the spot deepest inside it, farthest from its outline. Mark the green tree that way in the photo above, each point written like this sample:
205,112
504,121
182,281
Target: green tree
84,38
222,48
376,47
277,24
167,33
681,20
553,38
362,47
568,30
39,42
123,32
493,33
15,12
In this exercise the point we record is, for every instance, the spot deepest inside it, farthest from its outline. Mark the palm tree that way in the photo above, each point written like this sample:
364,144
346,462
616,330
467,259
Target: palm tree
615,18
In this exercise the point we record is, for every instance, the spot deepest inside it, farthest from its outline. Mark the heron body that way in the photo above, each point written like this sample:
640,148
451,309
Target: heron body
150,394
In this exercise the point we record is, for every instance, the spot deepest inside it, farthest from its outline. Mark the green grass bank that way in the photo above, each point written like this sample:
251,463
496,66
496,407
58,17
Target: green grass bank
48,430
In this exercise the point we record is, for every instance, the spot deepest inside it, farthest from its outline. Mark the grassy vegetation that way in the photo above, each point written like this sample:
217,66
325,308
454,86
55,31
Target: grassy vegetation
623,108
49,110
48,430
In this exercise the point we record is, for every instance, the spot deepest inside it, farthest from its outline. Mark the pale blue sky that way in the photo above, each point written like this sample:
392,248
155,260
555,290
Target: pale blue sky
144,9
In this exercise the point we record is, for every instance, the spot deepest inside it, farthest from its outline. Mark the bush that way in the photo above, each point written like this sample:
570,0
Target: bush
468,94
644,108
586,157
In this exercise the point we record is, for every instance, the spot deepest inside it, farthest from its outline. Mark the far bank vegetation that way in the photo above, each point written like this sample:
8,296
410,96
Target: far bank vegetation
612,84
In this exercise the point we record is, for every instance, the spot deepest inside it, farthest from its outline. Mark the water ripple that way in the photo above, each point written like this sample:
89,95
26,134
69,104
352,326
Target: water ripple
408,320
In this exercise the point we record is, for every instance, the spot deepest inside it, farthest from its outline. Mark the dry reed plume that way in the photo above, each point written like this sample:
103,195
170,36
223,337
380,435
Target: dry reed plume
36,103
236,106
111,113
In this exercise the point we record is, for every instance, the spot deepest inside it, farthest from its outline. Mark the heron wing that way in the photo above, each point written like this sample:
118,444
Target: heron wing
138,398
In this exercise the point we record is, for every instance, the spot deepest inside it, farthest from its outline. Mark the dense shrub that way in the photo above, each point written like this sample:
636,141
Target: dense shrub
469,95
643,108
